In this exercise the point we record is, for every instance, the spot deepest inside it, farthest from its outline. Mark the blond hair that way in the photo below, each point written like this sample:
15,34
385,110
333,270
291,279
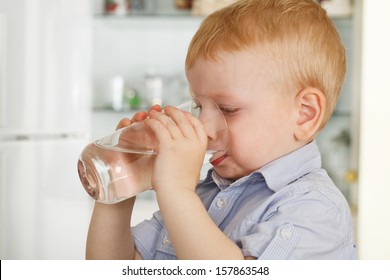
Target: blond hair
299,38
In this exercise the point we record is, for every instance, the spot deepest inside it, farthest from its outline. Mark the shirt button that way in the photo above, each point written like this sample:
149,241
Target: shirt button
166,241
286,233
221,203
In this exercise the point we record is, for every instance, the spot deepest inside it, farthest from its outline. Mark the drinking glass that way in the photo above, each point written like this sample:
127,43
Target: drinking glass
119,165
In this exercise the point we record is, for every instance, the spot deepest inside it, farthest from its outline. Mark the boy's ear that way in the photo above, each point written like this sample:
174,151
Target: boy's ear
310,104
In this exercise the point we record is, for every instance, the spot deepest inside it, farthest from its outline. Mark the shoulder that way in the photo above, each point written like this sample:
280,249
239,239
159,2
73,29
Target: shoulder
310,216
314,203
314,192
316,184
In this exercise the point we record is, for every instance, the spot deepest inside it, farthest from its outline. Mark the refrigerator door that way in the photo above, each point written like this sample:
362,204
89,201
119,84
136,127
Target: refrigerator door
45,66
45,211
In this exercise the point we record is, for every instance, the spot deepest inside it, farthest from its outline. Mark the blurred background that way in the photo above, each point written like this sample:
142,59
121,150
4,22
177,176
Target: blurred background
71,69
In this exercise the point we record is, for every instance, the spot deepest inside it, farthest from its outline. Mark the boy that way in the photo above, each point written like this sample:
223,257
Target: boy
275,69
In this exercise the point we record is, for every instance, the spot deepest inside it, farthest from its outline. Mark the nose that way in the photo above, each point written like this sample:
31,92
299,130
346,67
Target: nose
214,123
209,124
212,120
215,127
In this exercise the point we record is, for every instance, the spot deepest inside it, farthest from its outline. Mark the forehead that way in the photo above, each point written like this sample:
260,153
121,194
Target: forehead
238,71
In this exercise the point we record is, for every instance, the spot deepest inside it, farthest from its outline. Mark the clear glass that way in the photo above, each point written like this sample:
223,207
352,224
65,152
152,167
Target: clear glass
119,165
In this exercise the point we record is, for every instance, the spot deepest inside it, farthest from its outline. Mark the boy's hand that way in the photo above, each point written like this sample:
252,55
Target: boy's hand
138,117
182,146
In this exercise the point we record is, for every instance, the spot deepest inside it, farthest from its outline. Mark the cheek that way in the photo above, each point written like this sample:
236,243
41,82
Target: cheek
245,147
254,144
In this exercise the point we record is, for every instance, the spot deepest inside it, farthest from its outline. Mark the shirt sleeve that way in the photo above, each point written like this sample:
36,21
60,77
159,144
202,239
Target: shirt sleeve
271,241
146,235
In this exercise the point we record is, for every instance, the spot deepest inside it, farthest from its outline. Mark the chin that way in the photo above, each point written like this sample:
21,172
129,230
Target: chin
229,173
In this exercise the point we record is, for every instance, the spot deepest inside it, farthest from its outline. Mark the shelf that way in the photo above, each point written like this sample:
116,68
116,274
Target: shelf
157,14
109,110
150,20
186,15
171,12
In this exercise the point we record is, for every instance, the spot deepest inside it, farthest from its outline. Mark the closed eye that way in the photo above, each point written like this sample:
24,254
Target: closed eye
229,111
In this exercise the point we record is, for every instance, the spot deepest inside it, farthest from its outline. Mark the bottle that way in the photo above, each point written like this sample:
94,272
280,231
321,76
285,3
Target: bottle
183,4
117,88
154,88
115,7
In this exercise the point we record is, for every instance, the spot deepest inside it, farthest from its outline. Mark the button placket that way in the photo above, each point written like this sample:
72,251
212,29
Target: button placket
286,233
166,241
218,209
221,203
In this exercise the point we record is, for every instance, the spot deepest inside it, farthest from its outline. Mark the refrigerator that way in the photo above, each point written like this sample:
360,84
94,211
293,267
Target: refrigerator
45,88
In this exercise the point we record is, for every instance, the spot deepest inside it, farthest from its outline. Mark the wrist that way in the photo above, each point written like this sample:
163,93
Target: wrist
169,197
124,207
175,189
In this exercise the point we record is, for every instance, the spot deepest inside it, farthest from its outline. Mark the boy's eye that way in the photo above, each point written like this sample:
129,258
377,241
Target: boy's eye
228,110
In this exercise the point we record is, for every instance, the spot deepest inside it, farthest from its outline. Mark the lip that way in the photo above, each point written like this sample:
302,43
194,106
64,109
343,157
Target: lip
218,160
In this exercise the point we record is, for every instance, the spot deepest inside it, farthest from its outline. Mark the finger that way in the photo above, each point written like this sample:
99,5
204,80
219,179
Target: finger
155,107
159,130
123,122
198,127
169,124
181,121
139,116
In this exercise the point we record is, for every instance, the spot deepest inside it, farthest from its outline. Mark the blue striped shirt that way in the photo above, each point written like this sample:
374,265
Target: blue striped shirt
288,209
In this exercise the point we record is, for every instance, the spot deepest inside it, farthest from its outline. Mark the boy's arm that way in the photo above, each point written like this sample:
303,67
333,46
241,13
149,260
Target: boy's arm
109,235
191,231
182,144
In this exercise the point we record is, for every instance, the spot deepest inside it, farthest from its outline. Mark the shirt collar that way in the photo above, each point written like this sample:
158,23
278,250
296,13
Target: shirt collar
288,168
280,172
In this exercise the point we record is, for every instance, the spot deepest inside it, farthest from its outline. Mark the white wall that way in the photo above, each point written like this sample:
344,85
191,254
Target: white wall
374,170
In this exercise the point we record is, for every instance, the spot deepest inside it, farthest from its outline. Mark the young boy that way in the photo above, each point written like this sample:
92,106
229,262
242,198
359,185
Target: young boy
275,69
